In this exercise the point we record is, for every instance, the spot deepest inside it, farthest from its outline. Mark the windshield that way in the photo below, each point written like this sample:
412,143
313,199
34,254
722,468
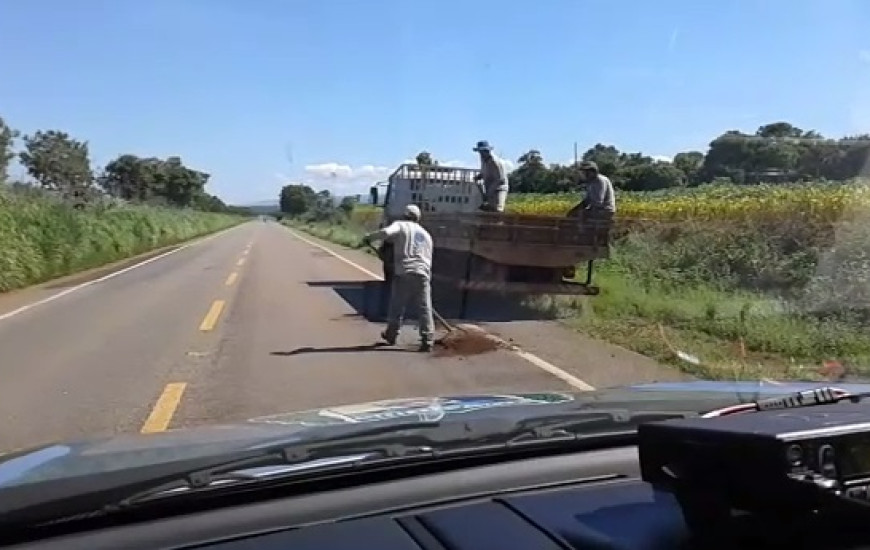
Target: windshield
230,225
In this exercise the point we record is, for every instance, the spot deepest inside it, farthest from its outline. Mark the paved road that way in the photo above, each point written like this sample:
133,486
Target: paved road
253,321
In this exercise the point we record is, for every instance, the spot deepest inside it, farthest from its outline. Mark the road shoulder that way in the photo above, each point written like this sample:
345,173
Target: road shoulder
597,364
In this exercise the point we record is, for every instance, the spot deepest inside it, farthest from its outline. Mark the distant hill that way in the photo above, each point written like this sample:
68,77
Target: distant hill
268,207
262,207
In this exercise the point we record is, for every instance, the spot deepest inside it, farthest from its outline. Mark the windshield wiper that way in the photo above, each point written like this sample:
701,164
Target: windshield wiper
351,448
330,453
452,438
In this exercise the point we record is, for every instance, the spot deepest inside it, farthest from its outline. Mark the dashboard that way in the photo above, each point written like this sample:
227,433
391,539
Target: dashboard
593,499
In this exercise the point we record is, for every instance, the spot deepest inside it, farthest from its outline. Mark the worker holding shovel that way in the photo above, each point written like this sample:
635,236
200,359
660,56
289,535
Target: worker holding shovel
412,250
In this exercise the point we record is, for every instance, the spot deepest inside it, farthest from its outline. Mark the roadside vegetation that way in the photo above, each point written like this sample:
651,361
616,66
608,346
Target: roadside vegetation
748,260
67,218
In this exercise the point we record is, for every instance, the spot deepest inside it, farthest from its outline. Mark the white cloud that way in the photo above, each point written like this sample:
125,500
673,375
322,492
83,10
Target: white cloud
371,170
662,158
345,179
341,179
334,170
329,169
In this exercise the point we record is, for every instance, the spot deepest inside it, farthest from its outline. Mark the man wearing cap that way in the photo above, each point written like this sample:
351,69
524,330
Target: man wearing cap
412,246
599,191
495,178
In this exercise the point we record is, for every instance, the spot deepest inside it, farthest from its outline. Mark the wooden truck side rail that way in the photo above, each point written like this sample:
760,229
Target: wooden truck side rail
523,240
495,251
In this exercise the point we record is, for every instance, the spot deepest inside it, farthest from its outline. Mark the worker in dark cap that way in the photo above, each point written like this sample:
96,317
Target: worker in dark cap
494,174
599,190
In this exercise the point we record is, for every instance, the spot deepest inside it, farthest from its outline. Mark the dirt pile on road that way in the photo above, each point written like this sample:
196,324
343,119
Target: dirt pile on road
467,340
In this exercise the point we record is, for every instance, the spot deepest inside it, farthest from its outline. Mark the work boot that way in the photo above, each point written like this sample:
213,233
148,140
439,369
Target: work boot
386,338
425,347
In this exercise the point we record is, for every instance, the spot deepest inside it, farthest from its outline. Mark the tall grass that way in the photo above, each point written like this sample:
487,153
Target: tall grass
786,297
43,238
771,280
336,231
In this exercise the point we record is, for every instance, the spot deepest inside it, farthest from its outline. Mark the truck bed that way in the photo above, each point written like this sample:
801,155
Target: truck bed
522,240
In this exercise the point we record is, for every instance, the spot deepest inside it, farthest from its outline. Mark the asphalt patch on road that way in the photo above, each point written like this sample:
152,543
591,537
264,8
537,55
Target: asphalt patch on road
465,340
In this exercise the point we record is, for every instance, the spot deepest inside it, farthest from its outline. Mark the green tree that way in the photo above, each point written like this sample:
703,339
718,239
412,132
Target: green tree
779,130
607,157
425,159
821,159
296,200
650,177
347,205
729,156
179,184
131,178
690,163
157,181
209,203
7,143
531,174
57,161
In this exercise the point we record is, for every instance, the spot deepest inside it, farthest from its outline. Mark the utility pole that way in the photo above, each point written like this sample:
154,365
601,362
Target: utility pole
575,153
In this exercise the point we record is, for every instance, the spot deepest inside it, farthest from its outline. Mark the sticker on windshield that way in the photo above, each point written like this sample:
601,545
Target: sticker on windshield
414,409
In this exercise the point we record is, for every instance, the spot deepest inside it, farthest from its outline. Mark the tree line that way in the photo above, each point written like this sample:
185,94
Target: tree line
776,153
61,165
300,200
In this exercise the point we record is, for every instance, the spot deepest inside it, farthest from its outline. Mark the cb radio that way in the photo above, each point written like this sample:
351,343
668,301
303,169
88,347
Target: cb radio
777,458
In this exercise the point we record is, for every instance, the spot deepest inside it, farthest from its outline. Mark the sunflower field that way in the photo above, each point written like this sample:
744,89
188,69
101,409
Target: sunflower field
811,203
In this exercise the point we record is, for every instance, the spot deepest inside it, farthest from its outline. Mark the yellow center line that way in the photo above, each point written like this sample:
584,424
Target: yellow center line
241,262
211,318
161,414
232,278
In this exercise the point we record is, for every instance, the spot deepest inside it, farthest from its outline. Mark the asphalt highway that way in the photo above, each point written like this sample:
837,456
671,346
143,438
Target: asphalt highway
253,321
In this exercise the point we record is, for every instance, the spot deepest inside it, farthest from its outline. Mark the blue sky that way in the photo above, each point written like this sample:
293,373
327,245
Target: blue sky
260,92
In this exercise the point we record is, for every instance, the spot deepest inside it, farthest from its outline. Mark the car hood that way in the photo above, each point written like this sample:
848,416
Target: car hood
85,457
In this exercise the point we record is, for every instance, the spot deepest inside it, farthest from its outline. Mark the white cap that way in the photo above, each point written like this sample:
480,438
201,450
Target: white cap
413,211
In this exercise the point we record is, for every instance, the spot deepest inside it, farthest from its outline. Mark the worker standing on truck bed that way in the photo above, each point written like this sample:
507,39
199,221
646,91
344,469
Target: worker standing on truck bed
412,250
599,190
495,178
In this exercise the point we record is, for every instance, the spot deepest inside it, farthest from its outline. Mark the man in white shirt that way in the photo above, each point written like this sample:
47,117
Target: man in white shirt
412,253
495,178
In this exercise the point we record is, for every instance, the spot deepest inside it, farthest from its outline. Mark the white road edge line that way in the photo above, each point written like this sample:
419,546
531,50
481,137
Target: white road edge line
61,294
566,377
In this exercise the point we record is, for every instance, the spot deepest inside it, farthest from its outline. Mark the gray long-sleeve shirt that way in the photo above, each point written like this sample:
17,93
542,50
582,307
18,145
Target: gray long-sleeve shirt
412,249
494,174
600,195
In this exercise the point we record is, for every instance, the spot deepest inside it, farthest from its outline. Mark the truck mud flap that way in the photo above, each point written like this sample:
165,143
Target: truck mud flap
565,288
